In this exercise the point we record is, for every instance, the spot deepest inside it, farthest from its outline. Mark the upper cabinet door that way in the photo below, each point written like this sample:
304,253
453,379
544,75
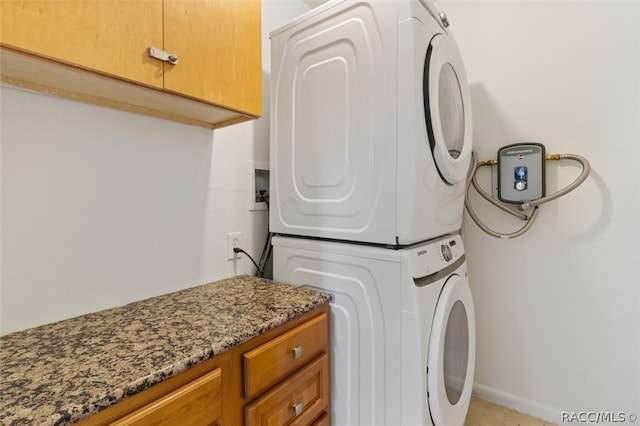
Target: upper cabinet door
108,36
218,46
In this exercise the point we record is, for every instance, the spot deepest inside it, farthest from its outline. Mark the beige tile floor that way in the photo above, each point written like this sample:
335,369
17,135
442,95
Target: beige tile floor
484,413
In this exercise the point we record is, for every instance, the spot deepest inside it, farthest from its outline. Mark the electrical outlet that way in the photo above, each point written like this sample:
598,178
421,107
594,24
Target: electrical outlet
234,239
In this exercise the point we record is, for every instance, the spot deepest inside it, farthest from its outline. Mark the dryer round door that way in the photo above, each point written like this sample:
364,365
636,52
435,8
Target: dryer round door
447,108
451,354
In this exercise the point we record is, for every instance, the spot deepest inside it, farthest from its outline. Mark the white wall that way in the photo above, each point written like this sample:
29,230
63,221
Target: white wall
102,207
558,318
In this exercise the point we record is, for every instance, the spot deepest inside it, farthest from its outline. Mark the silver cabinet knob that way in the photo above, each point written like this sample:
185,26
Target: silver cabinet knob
297,352
297,408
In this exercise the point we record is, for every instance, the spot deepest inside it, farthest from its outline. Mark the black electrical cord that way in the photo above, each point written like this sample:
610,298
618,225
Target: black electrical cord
266,254
266,250
239,250
265,199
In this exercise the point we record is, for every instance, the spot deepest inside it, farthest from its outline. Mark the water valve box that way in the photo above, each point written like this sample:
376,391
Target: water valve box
521,172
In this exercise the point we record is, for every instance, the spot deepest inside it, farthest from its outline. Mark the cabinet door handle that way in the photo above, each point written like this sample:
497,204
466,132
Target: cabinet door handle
162,55
298,408
297,352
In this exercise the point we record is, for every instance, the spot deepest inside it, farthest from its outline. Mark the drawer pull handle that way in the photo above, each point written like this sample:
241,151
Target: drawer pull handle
298,408
297,352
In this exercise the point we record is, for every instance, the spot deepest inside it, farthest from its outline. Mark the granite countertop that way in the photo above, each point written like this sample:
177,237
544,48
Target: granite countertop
58,373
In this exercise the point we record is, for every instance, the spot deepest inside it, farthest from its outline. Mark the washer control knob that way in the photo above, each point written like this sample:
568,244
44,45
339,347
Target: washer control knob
446,252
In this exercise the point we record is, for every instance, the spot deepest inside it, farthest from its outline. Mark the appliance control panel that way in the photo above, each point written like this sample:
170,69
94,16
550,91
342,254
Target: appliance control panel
435,256
521,170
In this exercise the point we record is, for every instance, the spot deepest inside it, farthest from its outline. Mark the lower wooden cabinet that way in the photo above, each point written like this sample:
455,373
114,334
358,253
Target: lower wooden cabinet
291,375
298,400
280,377
271,362
196,403
323,420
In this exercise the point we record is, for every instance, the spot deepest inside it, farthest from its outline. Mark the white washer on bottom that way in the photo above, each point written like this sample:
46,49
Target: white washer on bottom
402,330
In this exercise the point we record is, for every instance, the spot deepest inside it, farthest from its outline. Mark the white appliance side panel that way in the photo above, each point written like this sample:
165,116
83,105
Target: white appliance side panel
427,207
333,155
365,337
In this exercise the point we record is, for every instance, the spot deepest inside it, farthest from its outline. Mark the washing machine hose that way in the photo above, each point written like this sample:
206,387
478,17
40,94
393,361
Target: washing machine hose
527,211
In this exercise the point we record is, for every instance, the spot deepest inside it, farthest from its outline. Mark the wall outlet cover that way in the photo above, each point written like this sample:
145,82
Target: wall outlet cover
234,239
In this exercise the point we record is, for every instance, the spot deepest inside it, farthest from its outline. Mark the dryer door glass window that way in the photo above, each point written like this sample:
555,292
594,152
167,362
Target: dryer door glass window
451,110
456,350
447,109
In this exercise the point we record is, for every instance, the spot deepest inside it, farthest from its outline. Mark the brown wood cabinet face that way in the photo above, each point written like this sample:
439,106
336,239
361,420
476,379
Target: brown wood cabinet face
97,51
195,404
218,43
323,420
271,362
298,400
108,36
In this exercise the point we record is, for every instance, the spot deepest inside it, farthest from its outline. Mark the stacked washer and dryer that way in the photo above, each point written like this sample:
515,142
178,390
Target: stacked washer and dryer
370,147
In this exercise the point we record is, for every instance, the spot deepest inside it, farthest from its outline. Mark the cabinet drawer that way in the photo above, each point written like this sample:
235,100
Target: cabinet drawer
323,420
196,403
298,400
268,364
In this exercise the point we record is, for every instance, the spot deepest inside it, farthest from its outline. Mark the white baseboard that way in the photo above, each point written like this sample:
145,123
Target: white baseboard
517,403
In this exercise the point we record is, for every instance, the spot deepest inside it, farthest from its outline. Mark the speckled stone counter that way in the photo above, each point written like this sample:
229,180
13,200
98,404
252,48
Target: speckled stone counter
59,373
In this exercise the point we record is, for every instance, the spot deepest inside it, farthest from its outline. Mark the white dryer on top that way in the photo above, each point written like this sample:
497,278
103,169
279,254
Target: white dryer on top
371,124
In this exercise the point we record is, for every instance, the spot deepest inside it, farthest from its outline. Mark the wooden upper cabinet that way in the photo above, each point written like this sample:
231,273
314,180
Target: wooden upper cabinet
102,35
97,51
219,41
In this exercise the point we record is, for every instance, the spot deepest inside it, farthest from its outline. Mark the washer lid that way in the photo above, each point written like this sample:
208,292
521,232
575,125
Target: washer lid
447,107
451,357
